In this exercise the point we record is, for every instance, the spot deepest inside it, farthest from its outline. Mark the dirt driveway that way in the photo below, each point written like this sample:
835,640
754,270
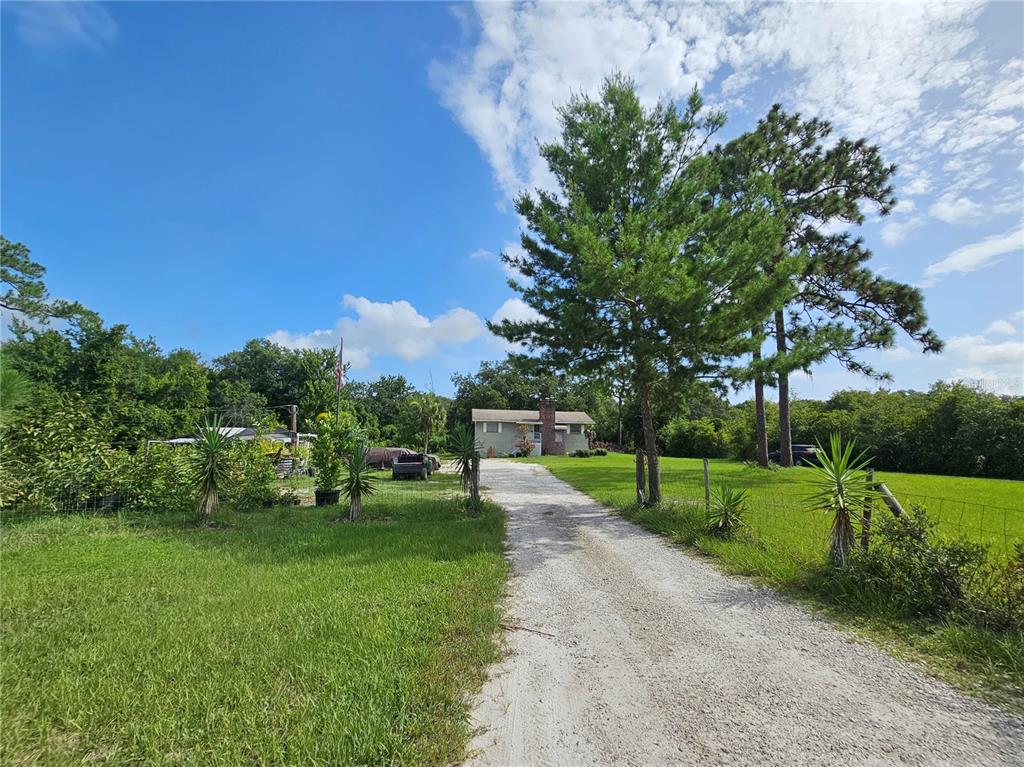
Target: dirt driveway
652,657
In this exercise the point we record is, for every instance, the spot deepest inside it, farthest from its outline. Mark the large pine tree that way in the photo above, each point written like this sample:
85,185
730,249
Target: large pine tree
637,258
839,306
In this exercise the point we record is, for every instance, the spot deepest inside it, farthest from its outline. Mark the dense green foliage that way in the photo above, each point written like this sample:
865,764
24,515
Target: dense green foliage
277,637
952,429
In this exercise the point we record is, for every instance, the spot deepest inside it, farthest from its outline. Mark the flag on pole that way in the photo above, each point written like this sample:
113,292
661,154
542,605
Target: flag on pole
339,369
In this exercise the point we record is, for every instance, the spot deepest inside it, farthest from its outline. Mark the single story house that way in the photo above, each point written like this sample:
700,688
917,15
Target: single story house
552,432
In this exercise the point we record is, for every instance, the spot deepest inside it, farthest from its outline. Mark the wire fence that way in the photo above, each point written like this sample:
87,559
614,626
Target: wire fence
783,518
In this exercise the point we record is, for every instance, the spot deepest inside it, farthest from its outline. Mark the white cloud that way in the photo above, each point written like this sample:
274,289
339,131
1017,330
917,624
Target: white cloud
895,232
481,254
55,25
388,328
516,310
980,351
1001,327
956,210
905,206
997,365
873,69
975,256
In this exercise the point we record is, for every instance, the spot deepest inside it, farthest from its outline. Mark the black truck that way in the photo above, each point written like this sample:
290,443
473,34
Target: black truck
417,465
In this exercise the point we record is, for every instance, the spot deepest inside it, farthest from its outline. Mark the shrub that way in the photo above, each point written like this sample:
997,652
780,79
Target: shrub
325,460
250,478
995,599
841,490
697,438
911,570
209,465
728,507
156,480
359,481
582,454
599,451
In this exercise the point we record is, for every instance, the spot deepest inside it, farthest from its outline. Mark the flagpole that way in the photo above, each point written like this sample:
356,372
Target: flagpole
340,379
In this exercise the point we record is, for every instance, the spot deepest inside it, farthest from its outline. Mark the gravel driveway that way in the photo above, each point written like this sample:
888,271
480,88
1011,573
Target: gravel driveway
652,657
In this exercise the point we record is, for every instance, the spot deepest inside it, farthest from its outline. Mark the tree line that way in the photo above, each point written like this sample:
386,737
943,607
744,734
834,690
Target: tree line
135,391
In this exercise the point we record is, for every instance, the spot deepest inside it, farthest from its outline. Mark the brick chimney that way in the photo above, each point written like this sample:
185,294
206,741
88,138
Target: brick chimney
548,444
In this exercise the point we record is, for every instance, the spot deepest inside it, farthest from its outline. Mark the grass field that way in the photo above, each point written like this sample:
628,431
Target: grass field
787,548
282,636
990,511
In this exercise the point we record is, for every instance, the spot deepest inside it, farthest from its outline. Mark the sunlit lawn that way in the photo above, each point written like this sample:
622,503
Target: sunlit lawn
990,511
282,636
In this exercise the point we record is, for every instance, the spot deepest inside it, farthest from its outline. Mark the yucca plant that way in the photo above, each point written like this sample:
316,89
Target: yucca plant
208,466
464,445
840,489
728,507
359,481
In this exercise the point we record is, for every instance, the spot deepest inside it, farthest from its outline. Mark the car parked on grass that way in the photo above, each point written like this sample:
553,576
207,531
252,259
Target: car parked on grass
803,455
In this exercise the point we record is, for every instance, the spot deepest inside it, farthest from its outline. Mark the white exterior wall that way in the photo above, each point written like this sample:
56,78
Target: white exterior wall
504,441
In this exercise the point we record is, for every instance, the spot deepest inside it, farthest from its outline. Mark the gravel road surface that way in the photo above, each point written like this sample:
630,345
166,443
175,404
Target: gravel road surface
650,656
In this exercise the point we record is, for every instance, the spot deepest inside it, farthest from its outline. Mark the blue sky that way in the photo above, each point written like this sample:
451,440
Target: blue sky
213,172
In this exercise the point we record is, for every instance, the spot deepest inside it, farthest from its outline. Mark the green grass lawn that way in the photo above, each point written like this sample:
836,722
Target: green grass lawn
787,547
990,511
282,636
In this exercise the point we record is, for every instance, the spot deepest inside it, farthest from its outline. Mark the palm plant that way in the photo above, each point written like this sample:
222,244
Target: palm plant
208,466
728,507
464,445
358,481
840,489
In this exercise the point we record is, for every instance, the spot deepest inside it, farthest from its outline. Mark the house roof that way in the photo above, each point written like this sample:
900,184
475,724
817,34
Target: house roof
530,416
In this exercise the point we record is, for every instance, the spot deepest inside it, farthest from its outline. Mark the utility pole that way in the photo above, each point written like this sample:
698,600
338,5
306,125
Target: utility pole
294,411
339,380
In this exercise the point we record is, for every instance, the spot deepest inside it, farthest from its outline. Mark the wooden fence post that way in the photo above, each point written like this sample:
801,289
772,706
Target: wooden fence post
707,489
641,478
890,500
865,525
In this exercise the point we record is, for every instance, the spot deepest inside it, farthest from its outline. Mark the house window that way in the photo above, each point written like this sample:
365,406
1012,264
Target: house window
558,437
491,427
575,428
536,432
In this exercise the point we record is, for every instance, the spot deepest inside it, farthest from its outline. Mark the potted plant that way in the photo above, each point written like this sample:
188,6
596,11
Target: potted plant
327,465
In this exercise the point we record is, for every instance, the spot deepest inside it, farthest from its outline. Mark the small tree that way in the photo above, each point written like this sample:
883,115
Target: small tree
209,466
430,414
524,442
466,448
359,481
325,459
842,490
638,260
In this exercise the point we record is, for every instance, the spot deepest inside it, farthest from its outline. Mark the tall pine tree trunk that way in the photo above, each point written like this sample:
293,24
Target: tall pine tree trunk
650,445
785,432
760,423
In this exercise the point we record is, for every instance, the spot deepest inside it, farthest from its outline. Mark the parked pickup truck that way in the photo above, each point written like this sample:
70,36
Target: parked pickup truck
416,465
